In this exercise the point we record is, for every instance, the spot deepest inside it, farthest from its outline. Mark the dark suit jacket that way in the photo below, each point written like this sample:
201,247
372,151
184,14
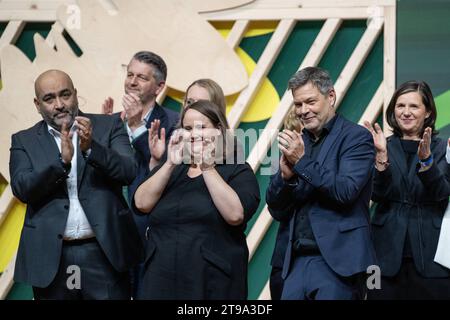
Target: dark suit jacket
281,243
38,179
413,202
338,187
169,119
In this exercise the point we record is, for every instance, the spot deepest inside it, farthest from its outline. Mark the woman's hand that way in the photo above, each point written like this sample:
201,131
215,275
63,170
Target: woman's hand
208,154
378,137
424,150
379,140
175,148
156,144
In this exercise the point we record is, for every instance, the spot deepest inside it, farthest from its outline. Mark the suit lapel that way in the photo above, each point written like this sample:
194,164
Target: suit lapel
158,113
412,172
48,145
81,162
307,142
398,157
330,139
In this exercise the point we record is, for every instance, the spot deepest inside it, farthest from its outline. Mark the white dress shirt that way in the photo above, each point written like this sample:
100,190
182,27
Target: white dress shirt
442,252
77,226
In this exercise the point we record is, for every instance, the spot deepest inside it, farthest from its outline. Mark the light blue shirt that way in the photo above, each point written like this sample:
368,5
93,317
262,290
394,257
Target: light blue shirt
140,130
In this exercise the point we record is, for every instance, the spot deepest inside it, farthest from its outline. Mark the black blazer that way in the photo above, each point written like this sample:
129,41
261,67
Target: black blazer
38,179
413,202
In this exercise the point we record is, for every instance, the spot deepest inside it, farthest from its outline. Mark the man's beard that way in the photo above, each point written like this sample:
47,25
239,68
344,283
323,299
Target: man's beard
56,123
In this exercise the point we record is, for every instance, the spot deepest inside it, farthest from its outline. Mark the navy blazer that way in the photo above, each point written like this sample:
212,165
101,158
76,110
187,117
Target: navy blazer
39,180
338,186
413,202
279,251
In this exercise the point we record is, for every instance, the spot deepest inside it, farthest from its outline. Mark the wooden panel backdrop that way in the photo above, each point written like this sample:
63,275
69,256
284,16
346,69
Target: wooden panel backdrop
250,48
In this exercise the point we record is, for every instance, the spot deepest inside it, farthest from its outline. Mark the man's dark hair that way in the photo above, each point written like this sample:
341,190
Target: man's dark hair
318,77
152,59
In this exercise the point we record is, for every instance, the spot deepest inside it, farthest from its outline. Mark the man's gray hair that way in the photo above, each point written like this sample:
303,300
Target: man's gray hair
152,59
319,78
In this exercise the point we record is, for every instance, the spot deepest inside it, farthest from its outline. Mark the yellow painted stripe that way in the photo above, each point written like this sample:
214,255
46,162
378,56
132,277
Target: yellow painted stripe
256,28
10,231
3,184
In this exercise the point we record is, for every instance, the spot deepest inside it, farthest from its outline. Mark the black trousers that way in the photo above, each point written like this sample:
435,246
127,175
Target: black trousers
276,283
85,273
408,284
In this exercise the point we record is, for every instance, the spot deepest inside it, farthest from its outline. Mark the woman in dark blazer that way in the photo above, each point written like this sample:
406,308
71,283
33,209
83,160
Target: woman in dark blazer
198,212
411,189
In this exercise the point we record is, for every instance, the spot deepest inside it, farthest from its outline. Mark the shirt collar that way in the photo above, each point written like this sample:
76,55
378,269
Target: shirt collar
56,133
148,114
325,130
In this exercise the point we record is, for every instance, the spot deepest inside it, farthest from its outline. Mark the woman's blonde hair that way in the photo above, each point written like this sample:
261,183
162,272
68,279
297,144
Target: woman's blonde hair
292,121
215,92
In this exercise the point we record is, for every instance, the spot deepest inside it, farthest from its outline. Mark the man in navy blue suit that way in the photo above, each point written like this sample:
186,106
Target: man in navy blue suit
145,79
323,187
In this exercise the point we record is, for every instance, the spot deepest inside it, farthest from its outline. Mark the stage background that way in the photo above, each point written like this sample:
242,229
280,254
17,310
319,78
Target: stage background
423,30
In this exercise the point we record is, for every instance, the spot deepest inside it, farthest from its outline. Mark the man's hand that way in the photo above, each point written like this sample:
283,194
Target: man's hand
66,144
291,145
84,132
424,150
108,108
157,145
133,110
285,168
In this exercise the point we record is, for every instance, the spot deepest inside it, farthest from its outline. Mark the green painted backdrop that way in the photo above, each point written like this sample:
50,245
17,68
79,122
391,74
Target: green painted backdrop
421,53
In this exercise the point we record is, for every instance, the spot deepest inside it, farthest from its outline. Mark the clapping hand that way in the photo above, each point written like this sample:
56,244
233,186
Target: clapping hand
108,108
424,150
379,139
84,132
291,145
156,144
66,143
133,109
175,148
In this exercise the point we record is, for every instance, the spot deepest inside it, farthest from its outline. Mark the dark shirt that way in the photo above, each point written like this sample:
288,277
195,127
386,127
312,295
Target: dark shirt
410,149
304,240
